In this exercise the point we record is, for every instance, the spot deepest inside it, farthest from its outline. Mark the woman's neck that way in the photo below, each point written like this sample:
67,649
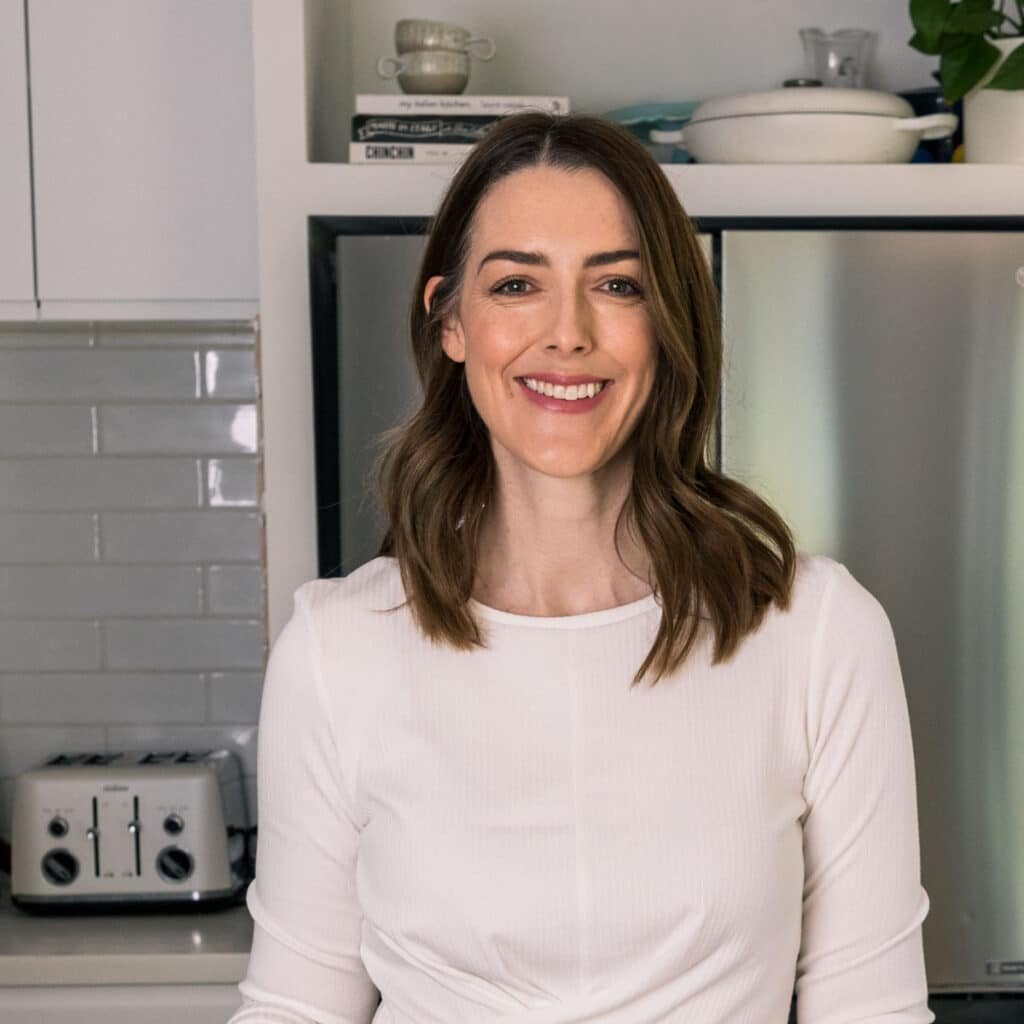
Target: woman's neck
550,550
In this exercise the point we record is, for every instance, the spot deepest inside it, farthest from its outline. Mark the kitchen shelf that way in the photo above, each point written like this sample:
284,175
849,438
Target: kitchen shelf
708,190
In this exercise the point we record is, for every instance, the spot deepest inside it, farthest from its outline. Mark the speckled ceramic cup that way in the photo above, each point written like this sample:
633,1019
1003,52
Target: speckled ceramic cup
427,71
413,34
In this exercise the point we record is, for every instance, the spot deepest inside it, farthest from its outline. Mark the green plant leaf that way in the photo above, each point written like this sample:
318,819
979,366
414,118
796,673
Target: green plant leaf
922,43
974,17
973,22
1011,72
965,60
929,17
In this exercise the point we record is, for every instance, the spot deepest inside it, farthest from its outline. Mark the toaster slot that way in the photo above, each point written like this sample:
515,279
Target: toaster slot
94,833
133,827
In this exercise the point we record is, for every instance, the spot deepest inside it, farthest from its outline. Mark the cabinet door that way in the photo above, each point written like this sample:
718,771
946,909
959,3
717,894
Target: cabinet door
17,290
144,157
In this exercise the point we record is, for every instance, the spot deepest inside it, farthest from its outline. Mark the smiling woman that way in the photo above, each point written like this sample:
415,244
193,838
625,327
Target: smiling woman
469,809
560,254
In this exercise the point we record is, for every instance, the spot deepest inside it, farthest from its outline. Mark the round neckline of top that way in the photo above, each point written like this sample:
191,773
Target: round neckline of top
596,618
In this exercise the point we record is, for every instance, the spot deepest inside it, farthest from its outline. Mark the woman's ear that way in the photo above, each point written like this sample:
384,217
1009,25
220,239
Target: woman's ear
452,340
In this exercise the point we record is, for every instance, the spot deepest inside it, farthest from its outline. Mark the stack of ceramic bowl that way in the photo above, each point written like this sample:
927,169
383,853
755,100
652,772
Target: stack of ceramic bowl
433,56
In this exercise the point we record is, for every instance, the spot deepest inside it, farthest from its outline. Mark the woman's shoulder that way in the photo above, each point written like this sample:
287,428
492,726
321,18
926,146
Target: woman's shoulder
826,593
374,586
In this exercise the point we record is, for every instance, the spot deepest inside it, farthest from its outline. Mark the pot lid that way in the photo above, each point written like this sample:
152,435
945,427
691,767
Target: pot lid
804,99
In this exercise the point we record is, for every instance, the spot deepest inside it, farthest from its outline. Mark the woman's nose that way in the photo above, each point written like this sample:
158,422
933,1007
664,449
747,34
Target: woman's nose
572,328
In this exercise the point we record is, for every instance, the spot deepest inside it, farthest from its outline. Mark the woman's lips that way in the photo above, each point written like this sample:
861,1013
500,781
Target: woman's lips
560,404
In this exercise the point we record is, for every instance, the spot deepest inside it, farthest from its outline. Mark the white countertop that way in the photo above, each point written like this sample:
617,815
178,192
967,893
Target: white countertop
202,947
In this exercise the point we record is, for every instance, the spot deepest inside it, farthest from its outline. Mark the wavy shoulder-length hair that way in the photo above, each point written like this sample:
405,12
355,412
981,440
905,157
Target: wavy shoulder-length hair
719,552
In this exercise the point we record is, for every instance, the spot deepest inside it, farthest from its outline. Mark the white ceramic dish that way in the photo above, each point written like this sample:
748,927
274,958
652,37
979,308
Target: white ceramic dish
813,124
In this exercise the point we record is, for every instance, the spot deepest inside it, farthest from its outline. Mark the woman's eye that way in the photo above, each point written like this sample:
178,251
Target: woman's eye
631,287
500,289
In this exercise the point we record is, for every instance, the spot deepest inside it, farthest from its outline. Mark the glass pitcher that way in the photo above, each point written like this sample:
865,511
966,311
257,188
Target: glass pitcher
838,59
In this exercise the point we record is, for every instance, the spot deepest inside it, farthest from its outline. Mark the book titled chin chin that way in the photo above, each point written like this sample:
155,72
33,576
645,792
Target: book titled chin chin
407,152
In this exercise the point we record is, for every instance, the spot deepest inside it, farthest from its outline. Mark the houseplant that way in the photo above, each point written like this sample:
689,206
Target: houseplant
981,59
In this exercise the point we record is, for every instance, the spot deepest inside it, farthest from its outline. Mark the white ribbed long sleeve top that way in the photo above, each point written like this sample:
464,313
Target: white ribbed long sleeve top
514,834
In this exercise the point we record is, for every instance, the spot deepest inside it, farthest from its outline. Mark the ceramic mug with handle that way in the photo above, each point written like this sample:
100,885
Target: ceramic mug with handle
427,71
412,34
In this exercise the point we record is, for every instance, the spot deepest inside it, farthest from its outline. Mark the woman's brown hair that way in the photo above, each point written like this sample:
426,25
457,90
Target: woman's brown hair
718,550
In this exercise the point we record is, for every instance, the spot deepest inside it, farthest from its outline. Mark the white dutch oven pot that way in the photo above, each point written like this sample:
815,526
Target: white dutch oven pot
808,124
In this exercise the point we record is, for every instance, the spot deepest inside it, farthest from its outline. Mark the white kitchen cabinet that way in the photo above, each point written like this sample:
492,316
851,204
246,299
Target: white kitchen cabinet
17,288
144,158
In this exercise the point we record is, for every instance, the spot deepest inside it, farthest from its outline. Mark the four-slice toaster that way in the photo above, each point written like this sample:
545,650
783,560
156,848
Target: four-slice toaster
130,831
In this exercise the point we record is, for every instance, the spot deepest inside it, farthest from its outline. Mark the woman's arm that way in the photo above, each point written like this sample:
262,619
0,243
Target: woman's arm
305,965
861,957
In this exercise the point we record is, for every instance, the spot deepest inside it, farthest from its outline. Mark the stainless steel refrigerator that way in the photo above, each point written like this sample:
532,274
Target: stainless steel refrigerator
874,393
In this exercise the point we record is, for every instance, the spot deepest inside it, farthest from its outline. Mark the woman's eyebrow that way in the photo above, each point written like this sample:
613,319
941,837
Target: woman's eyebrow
538,259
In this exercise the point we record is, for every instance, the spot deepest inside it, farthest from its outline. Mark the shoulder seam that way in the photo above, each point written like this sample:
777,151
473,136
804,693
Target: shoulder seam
815,652
302,604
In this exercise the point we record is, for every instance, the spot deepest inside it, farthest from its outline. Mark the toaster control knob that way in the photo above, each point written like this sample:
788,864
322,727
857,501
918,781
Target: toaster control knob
174,864
58,827
173,824
60,867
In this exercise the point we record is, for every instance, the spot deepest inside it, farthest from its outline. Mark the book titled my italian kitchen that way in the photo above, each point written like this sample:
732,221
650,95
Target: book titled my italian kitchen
450,103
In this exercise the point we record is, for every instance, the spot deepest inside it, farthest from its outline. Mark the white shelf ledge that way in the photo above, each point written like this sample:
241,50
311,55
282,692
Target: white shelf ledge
713,190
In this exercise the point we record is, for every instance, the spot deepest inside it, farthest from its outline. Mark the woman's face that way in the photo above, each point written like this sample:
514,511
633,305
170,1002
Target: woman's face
552,293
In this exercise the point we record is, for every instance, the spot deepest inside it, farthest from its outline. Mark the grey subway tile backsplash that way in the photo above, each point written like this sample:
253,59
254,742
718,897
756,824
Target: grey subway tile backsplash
235,696
132,612
240,738
234,590
230,374
23,747
91,374
94,591
103,698
37,336
174,335
46,428
201,535
170,644
231,482
199,428
96,483
28,645
47,537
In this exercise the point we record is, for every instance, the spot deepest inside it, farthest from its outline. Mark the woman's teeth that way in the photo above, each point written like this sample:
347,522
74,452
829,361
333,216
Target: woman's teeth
567,393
